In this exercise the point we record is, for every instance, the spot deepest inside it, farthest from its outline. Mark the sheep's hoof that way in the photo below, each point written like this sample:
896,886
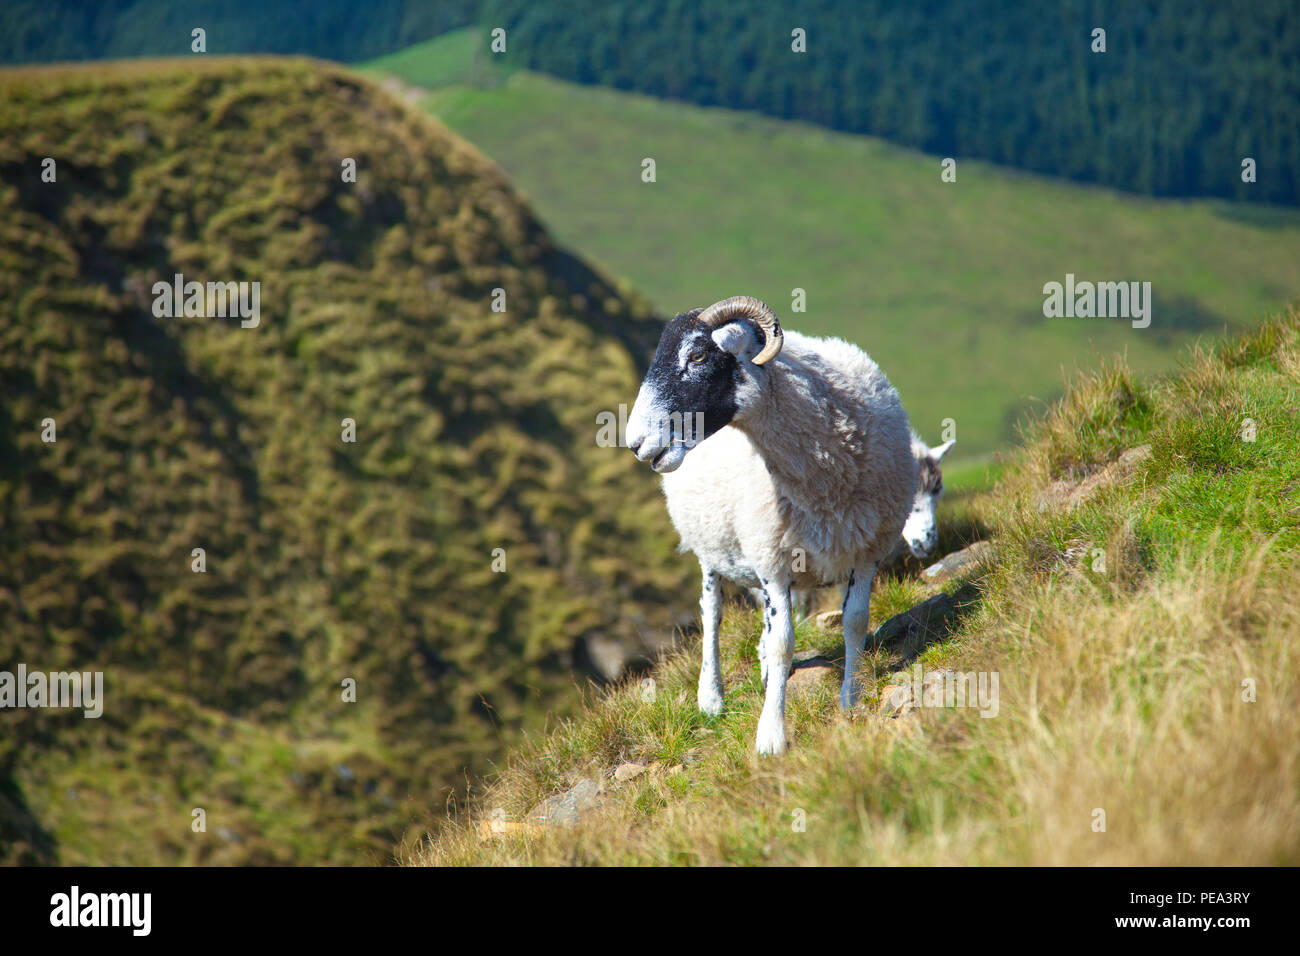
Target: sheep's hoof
771,738
848,696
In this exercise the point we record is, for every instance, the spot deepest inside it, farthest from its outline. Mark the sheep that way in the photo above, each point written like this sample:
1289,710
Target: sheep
786,463
921,532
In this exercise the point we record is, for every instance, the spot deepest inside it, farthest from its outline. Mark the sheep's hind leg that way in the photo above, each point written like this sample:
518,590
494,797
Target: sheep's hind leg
761,600
709,696
779,655
857,619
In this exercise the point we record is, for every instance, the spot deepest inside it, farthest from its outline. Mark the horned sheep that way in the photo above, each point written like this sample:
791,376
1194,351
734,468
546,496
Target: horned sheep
787,463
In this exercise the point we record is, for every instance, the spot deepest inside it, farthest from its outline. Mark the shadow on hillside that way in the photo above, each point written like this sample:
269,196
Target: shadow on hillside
162,359
1176,315
1257,214
25,842
906,636
639,336
909,634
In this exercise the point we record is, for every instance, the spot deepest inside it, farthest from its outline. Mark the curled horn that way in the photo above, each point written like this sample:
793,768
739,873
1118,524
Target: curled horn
747,307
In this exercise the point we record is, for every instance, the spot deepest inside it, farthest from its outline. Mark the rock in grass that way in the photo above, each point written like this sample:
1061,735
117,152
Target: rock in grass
898,698
957,562
629,771
829,620
499,829
809,673
565,809
895,700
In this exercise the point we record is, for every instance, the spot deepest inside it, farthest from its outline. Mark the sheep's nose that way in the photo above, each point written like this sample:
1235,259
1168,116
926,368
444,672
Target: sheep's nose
635,444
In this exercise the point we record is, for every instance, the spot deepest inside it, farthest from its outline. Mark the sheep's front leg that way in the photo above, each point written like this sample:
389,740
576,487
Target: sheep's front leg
709,695
779,655
857,618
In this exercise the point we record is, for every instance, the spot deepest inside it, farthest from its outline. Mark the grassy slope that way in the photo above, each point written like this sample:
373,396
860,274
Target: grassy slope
942,283
475,430
1120,688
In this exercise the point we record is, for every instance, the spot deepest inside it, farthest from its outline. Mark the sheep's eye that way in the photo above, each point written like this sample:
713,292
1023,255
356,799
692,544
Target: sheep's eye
698,356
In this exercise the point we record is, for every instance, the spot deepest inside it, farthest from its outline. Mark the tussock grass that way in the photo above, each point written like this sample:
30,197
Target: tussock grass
1146,647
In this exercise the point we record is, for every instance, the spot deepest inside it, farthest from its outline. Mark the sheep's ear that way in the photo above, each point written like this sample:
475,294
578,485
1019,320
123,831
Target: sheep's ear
938,453
738,338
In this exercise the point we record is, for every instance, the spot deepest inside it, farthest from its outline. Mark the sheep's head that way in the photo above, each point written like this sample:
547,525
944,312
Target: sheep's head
704,375
921,532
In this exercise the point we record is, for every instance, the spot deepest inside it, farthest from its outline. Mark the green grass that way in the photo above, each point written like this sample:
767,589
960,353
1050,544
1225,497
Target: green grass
972,473
1123,679
940,282
452,58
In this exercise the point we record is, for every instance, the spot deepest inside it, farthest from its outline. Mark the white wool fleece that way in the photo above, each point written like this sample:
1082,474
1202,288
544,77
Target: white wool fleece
817,474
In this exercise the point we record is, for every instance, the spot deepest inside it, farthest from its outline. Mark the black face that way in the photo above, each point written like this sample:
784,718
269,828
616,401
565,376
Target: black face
690,374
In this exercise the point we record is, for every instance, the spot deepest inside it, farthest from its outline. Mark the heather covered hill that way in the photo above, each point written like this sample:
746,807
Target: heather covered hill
325,559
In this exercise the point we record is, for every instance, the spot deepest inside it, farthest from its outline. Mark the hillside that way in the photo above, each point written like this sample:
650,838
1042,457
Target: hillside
1138,612
941,282
457,560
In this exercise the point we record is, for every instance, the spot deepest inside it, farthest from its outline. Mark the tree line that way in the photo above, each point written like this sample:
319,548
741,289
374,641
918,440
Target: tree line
1170,100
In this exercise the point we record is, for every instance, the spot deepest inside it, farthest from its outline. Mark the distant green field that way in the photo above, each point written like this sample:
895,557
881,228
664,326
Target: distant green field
447,60
940,282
